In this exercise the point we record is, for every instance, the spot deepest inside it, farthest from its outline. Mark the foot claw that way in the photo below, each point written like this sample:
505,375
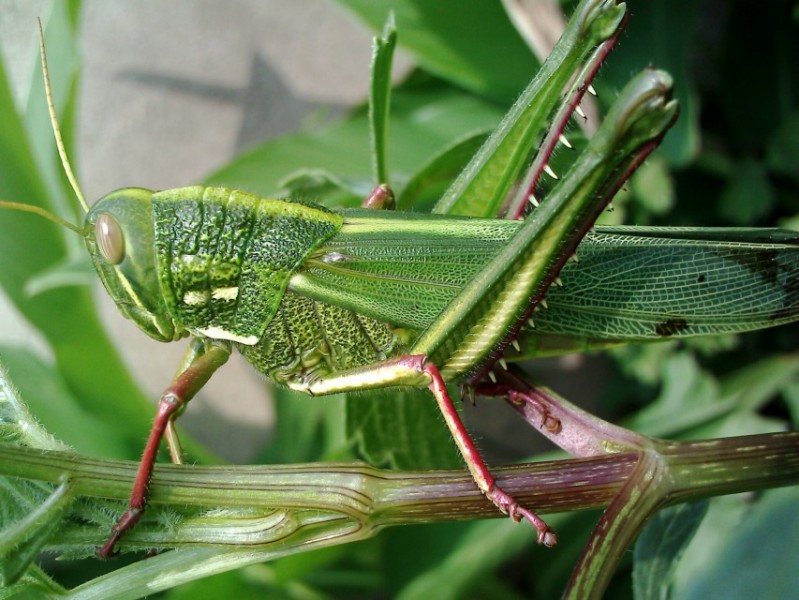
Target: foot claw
508,505
127,521
107,550
551,424
548,422
548,538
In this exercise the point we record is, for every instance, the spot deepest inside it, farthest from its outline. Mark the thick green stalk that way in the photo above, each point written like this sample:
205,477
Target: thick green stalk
252,514
378,497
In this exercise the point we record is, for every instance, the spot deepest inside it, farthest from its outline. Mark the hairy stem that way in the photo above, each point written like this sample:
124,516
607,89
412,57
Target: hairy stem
379,497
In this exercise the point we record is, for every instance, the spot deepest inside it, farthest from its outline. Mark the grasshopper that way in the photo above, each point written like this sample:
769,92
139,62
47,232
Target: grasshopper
336,300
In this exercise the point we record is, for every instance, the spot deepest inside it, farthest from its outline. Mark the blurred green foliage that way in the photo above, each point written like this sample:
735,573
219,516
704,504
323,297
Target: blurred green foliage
733,159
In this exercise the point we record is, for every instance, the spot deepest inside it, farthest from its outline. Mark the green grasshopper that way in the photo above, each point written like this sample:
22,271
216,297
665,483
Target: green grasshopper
326,301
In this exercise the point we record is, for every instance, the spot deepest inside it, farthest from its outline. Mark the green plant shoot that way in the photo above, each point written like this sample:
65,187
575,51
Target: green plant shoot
337,300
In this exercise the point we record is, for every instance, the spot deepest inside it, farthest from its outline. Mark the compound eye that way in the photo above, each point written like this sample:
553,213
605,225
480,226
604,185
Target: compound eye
109,238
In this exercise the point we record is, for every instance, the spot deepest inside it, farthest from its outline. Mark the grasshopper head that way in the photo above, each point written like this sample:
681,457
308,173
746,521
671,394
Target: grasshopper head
119,235
120,242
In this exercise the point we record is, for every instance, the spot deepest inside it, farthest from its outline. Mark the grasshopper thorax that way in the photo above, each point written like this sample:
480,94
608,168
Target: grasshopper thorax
121,246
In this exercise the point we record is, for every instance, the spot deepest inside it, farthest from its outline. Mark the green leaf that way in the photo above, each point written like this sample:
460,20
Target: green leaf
475,553
791,394
660,547
34,585
303,429
432,179
783,150
660,33
380,97
29,245
22,541
473,45
744,549
60,412
644,362
753,386
689,397
233,584
30,511
694,401
17,424
484,184
325,188
748,196
403,429
653,186
426,117
71,271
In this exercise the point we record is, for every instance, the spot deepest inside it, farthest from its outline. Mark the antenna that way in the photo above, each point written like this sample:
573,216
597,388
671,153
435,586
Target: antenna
54,122
37,210
61,152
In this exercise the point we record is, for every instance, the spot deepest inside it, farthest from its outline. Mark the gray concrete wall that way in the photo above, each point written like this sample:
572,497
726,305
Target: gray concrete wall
173,90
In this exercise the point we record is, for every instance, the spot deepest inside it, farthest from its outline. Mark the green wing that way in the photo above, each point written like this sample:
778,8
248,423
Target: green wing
629,284
401,268
646,284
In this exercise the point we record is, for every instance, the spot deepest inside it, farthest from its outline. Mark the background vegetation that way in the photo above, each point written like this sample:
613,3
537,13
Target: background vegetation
732,160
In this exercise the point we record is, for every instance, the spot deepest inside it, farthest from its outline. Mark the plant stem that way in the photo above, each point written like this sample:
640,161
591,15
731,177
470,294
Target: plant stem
673,472
379,497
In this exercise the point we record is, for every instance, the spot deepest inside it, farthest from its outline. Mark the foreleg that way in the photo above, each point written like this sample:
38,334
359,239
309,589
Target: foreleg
174,399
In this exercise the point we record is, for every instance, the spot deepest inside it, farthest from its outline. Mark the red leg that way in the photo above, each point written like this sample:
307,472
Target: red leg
172,402
193,352
516,397
415,370
579,433
477,467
